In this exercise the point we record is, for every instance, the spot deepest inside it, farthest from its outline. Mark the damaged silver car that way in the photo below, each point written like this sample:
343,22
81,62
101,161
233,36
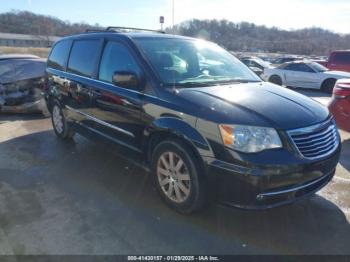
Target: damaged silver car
21,84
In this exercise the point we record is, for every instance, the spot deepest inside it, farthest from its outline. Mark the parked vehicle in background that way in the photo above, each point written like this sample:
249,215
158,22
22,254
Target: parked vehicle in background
304,74
284,59
21,84
338,60
340,104
256,64
203,123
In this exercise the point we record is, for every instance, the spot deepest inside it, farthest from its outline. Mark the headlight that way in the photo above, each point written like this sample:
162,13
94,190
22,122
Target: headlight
249,139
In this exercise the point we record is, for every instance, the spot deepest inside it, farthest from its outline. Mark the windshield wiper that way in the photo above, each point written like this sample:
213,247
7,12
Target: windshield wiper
211,83
189,84
237,81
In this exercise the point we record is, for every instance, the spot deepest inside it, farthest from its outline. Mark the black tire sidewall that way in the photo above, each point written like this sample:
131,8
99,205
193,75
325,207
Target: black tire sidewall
275,80
196,198
328,86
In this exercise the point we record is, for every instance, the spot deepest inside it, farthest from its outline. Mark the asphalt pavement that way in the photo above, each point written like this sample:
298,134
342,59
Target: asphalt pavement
81,198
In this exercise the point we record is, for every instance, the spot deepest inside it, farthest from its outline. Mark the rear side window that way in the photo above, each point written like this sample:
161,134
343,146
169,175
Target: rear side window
59,55
83,57
116,57
300,67
342,58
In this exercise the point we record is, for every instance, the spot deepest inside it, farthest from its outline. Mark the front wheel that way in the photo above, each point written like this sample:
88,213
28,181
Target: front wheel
178,176
275,80
328,86
59,123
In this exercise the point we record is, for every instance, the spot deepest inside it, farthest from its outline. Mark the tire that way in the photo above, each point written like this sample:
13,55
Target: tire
59,123
182,184
275,80
328,85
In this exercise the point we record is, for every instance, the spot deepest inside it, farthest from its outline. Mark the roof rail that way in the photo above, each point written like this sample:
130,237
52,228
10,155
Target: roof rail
119,29
94,30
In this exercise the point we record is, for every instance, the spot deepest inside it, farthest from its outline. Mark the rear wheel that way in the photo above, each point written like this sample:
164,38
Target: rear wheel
59,123
178,176
275,80
328,86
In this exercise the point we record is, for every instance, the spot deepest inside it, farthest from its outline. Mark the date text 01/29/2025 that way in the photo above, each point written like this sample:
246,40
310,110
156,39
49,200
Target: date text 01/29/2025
173,258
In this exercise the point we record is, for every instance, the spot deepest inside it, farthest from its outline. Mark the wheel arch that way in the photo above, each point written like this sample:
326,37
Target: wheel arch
328,79
174,128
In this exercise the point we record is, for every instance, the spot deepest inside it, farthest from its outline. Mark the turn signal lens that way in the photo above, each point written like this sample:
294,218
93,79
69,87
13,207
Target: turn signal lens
226,134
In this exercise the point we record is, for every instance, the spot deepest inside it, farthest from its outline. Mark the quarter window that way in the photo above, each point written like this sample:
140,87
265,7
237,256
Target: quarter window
59,55
84,57
116,57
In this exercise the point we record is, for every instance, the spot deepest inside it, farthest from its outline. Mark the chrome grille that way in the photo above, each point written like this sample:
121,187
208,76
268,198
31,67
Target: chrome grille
316,141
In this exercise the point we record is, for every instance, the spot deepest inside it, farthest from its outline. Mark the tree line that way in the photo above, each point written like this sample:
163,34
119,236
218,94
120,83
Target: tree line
239,37
246,36
24,22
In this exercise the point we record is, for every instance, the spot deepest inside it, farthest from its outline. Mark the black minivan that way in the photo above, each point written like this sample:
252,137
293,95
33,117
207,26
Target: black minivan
202,122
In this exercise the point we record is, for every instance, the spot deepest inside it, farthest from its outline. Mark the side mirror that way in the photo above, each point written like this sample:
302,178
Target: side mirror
126,79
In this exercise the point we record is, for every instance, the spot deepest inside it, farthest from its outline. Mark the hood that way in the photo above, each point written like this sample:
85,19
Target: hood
257,104
337,74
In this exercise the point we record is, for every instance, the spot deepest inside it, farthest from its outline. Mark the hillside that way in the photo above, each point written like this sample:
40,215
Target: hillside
24,22
233,36
250,37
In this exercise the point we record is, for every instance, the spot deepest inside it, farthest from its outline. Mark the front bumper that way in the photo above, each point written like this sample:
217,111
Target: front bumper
28,107
268,186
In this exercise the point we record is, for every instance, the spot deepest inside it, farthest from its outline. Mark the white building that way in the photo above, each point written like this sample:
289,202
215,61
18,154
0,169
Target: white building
20,40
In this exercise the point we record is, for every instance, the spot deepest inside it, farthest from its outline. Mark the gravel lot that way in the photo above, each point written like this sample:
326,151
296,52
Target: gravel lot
79,198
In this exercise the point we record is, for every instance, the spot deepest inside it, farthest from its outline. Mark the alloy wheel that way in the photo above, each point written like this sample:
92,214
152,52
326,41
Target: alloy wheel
57,119
174,177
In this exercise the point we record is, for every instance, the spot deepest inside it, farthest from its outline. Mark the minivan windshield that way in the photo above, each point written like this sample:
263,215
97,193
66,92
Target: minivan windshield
184,62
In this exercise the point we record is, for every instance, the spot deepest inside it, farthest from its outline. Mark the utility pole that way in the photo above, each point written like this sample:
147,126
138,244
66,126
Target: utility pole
173,13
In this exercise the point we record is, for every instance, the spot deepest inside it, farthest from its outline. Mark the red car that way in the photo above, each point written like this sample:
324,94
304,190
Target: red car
340,104
338,61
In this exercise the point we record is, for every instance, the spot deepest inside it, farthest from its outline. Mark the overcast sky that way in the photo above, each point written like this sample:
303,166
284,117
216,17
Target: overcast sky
285,14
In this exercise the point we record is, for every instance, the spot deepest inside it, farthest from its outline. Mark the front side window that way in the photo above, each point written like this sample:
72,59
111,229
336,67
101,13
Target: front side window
59,55
193,62
84,56
116,58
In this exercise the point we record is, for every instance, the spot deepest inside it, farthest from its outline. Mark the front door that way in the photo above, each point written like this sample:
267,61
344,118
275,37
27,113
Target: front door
117,110
301,75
